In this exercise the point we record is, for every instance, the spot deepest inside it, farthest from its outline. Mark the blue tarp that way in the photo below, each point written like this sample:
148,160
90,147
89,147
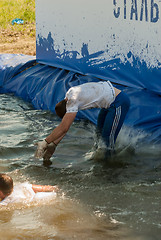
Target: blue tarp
44,86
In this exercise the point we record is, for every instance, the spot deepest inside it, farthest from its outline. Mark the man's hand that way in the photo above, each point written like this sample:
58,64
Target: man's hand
45,151
49,151
41,148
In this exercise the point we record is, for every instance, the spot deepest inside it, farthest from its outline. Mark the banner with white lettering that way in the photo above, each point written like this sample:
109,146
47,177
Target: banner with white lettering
119,40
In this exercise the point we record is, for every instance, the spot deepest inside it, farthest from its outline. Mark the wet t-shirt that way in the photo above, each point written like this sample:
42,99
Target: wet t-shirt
23,192
90,95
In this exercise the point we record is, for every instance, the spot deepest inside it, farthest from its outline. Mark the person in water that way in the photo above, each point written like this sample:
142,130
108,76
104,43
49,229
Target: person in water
10,193
114,105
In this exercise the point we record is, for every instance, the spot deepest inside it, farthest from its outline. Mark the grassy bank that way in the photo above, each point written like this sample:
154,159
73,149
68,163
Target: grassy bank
17,38
11,9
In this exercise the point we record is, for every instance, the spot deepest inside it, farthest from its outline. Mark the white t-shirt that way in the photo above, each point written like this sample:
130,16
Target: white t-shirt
23,192
90,95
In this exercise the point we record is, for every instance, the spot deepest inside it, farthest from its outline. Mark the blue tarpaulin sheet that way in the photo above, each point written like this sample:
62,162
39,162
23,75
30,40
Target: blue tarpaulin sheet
44,86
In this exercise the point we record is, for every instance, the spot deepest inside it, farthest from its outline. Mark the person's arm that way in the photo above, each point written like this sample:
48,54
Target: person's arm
60,131
47,147
44,188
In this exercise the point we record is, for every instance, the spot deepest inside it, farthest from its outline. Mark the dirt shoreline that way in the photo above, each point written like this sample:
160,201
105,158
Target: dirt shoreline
17,42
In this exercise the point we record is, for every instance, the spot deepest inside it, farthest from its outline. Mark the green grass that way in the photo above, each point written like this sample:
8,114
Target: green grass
11,9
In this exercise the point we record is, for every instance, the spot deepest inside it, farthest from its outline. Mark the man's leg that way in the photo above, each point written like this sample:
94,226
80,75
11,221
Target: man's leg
100,123
114,120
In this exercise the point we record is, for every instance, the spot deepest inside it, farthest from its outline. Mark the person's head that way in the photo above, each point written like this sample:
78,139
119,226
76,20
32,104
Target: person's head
6,185
60,108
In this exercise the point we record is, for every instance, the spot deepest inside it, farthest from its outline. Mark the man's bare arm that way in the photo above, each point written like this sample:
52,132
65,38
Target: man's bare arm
46,148
60,131
44,188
